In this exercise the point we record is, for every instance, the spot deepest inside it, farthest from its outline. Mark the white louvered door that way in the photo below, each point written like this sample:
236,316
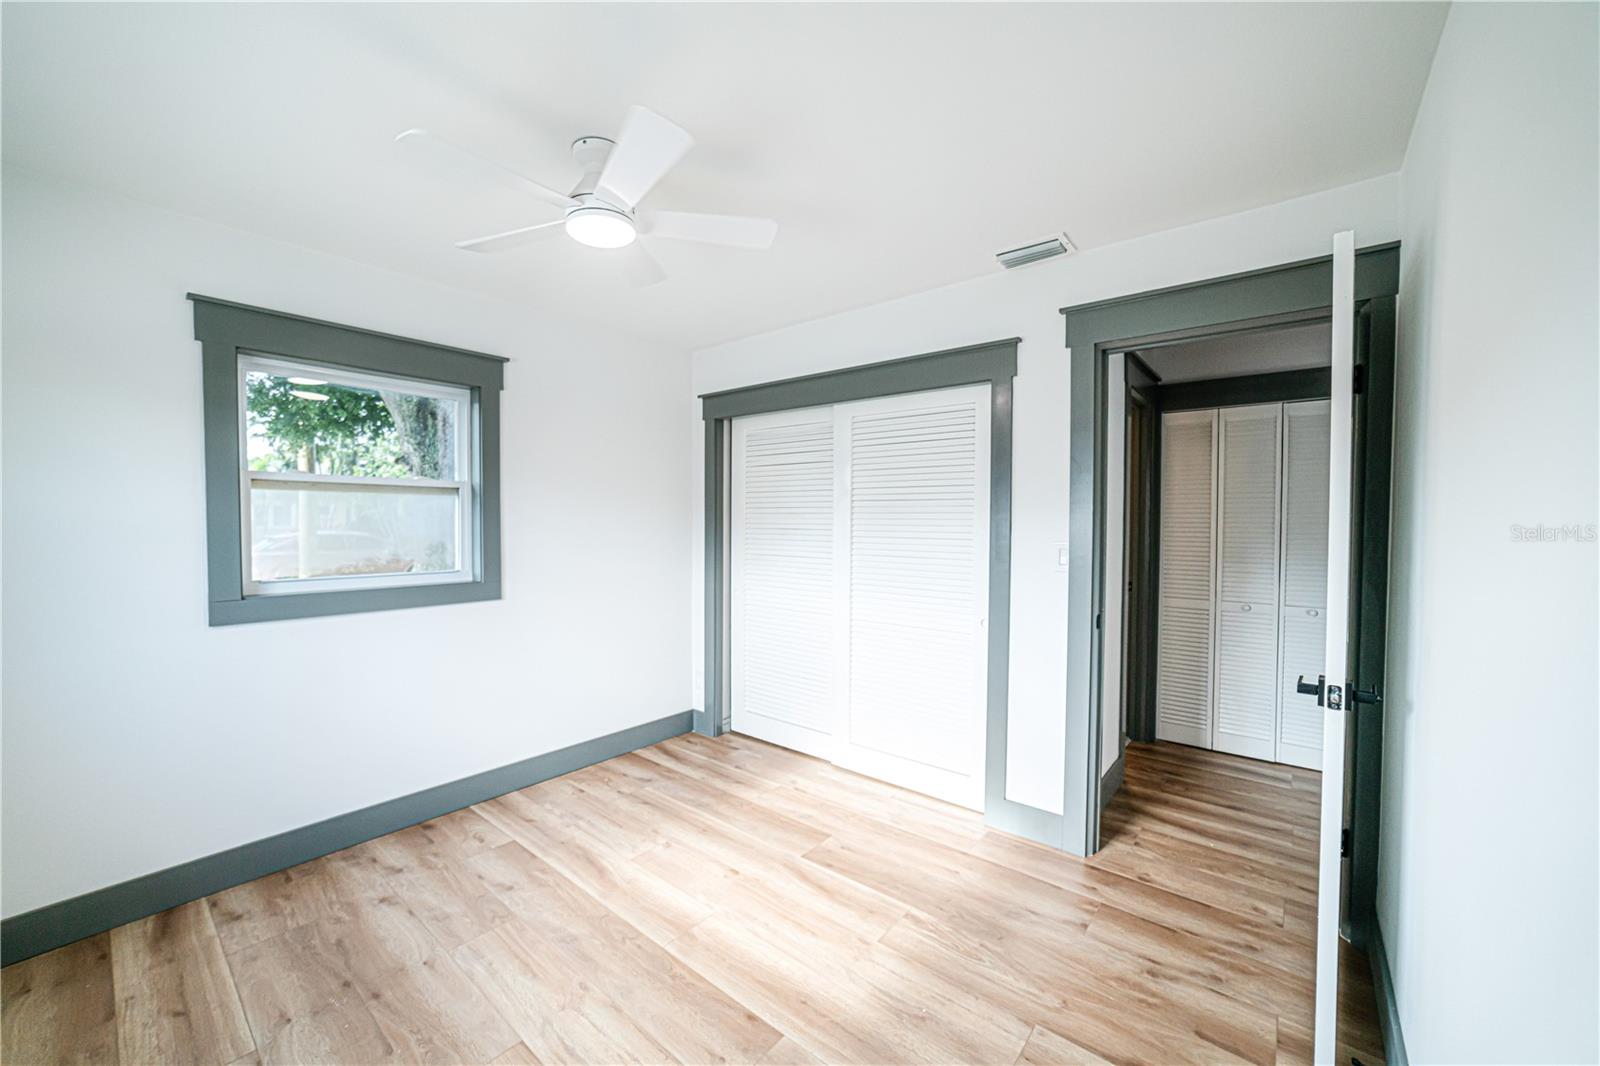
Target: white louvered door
1247,582
783,577
1305,579
1184,612
912,529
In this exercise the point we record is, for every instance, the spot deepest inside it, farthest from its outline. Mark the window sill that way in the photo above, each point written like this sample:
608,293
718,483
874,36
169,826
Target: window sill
352,601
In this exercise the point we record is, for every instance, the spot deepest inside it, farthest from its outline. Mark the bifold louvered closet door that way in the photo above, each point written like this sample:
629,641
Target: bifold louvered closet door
1184,611
1247,581
1305,579
1244,505
860,545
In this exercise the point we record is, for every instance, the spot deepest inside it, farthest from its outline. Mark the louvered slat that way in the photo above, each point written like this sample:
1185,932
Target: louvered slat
1247,537
1305,518
1247,661
1305,578
1184,612
917,549
1247,581
782,535
1300,719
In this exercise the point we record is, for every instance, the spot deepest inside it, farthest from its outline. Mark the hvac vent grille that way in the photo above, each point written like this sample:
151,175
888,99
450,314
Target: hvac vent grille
1032,253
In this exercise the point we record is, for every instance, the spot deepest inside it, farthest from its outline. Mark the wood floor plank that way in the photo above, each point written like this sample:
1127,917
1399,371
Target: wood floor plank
725,900
61,1007
176,1001
587,950
1046,1047
302,1005
518,1055
653,905
271,906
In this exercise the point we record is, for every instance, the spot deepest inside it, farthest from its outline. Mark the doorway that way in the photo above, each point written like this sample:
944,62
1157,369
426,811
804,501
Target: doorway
1354,294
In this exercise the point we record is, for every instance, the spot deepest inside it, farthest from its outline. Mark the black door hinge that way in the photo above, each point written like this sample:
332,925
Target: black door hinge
1359,378
1344,843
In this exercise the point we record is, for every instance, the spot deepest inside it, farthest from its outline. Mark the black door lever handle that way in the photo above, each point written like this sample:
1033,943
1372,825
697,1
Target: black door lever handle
1306,689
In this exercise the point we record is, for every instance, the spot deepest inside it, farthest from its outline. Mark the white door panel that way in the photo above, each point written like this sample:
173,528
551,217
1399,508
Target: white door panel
1300,719
1305,579
1336,646
783,573
1247,581
913,536
1247,676
1184,613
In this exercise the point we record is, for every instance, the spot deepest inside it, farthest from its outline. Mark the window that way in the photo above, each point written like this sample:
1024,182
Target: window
346,470
352,480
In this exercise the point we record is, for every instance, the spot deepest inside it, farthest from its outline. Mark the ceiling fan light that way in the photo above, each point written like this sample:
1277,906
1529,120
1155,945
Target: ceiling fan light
600,227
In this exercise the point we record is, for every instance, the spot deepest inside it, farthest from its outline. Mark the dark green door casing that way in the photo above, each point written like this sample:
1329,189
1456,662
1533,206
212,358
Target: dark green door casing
1294,292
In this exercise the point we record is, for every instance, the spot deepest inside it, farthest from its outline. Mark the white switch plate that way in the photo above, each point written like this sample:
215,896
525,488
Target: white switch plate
1061,557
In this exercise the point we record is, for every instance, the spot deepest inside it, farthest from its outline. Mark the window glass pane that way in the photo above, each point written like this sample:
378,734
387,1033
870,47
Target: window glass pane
346,531
303,422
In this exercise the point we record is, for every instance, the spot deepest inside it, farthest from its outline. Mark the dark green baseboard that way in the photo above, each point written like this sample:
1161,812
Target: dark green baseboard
1111,780
51,926
1394,1045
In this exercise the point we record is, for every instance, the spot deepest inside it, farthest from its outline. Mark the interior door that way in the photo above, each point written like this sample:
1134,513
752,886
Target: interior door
781,670
1335,785
912,530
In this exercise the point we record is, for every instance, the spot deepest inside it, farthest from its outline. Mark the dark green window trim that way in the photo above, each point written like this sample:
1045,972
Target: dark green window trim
224,330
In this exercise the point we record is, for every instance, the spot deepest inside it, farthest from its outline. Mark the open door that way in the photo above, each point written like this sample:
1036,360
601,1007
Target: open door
1331,696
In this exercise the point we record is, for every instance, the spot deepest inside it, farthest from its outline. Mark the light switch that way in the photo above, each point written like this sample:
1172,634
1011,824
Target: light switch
1061,557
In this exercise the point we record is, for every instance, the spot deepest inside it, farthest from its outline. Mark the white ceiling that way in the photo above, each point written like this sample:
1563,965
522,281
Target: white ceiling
898,146
1257,352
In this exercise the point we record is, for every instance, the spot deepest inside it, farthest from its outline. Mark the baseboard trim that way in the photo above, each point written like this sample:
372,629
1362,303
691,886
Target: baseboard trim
57,924
1111,780
1394,1045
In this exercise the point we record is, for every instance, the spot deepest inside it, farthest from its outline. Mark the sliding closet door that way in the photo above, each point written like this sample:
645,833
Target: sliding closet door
913,533
1247,582
783,573
1305,579
1184,608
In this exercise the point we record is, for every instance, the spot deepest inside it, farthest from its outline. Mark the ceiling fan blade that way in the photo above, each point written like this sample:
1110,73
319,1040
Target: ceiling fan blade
646,149
515,238
450,154
639,267
736,231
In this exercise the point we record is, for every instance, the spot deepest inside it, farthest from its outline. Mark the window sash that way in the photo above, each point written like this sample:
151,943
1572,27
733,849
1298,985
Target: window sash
465,452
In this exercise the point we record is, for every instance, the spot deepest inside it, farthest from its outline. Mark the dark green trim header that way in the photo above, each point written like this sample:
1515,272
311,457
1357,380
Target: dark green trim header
994,362
1284,386
224,330
280,333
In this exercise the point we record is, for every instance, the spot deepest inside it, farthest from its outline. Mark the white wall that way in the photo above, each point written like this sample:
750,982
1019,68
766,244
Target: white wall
1487,890
135,736
1025,304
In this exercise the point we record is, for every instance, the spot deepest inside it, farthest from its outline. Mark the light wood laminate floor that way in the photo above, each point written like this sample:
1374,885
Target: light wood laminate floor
725,900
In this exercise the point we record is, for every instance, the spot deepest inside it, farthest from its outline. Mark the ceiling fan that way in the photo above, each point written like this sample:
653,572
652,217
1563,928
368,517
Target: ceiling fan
602,211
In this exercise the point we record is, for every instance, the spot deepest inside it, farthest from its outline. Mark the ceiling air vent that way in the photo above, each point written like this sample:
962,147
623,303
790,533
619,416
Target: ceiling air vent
1032,253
